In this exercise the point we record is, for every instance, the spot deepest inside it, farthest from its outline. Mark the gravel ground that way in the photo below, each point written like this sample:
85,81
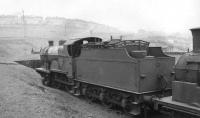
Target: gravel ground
23,96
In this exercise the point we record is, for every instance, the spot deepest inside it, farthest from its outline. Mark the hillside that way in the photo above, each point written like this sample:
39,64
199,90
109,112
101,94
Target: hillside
178,42
18,36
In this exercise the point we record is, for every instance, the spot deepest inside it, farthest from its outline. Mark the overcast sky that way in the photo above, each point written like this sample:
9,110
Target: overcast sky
127,15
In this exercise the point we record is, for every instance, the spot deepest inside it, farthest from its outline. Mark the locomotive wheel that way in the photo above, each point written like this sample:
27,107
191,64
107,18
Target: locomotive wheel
107,104
77,92
89,97
57,85
66,88
71,91
46,81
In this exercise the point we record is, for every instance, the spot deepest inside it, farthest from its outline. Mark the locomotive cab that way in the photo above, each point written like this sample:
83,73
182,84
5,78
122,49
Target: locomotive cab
74,45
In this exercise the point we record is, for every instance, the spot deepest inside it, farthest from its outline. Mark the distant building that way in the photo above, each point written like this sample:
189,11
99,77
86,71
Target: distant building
8,19
55,20
32,19
168,48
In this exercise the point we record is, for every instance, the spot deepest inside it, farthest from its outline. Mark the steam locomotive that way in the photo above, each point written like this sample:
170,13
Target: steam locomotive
185,99
125,73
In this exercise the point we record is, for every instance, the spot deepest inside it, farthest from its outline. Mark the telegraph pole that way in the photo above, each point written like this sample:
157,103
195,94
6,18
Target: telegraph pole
91,32
65,28
23,19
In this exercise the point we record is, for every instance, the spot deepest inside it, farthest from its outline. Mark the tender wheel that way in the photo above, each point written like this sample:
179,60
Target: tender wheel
103,99
124,104
83,91
67,88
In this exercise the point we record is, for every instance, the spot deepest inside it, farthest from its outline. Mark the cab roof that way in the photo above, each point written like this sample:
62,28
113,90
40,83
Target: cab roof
80,40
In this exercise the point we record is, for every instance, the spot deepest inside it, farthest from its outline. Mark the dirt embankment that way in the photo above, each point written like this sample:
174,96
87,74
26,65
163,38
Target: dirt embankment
23,96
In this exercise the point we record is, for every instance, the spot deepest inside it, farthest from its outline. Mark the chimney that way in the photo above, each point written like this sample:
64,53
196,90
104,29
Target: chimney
196,39
61,42
50,43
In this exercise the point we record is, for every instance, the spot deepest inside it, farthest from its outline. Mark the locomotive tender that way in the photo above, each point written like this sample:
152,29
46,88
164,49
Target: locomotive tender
126,73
